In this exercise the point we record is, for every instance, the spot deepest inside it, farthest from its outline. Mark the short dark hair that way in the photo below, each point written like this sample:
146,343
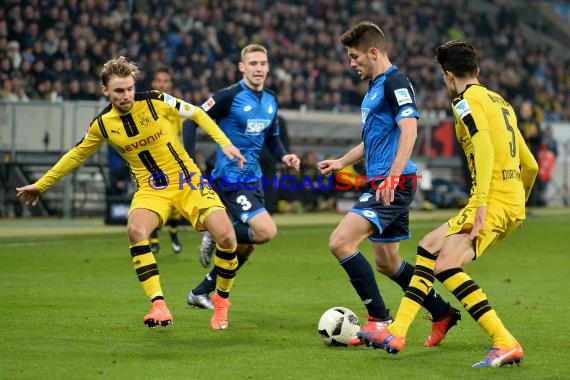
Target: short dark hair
363,36
163,69
458,57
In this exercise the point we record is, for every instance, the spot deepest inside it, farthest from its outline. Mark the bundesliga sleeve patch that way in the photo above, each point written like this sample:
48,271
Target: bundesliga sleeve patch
462,108
403,96
170,100
208,104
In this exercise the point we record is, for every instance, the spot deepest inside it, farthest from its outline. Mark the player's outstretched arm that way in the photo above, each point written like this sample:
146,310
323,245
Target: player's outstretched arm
327,167
291,161
231,152
28,194
204,121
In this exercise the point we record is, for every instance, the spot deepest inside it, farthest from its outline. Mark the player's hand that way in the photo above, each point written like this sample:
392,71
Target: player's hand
385,192
327,167
231,152
291,161
479,223
28,194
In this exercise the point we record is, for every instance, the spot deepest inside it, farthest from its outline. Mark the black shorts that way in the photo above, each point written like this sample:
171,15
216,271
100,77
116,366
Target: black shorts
243,200
392,222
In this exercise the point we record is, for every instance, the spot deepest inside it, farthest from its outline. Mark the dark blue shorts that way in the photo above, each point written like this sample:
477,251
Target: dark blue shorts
392,222
243,200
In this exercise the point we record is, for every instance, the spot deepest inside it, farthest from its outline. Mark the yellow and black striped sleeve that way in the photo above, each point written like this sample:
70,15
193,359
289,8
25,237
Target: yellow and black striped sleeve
73,158
186,110
205,122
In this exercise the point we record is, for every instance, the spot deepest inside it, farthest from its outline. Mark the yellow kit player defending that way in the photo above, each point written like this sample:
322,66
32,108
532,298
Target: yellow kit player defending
138,126
503,172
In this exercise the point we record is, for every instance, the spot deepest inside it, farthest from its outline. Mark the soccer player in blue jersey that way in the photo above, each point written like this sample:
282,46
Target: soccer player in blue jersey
247,113
389,130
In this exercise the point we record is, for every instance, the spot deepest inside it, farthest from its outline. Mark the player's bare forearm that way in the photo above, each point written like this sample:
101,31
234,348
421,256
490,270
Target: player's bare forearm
327,167
408,135
354,155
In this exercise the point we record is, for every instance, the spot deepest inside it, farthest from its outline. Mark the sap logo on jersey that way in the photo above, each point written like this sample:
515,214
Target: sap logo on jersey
256,126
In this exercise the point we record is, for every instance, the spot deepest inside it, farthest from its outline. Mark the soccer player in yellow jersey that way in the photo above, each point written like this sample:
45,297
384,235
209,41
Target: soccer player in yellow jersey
162,81
139,127
503,171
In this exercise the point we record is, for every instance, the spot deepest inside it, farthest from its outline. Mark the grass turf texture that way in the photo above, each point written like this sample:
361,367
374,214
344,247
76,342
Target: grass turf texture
73,308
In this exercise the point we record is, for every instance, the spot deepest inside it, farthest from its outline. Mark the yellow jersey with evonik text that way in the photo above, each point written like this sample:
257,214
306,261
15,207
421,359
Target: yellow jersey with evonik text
144,137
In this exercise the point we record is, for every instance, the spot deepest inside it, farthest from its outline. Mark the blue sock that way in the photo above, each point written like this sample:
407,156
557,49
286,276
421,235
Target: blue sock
208,284
362,279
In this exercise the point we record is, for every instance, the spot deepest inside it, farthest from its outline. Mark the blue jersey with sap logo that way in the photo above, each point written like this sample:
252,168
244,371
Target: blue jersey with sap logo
389,99
247,117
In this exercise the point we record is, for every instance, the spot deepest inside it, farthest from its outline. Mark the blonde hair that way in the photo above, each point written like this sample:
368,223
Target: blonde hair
251,49
120,67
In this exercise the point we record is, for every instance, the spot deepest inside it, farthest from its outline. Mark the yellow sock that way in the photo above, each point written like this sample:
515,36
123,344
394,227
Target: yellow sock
146,269
420,285
476,303
226,263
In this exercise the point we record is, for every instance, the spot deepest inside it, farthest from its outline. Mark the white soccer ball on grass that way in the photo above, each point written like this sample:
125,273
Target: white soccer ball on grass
338,325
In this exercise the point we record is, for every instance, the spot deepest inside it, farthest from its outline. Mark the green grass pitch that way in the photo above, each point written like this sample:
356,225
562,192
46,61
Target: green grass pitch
72,307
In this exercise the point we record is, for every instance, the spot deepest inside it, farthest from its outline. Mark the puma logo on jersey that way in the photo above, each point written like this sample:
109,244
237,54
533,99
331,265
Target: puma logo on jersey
143,142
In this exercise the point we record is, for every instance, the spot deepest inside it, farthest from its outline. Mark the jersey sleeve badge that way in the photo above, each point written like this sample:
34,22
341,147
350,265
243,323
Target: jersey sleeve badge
403,96
462,108
170,100
208,104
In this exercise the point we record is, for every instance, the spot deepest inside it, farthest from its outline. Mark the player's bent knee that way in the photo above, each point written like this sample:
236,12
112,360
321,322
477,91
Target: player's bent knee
440,267
136,233
384,268
226,241
340,248
264,235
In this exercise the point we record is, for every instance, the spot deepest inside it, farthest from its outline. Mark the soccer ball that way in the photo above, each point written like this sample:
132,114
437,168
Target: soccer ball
338,325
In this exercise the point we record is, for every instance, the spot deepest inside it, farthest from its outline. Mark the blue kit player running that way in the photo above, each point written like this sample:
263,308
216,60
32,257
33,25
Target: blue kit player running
389,130
247,113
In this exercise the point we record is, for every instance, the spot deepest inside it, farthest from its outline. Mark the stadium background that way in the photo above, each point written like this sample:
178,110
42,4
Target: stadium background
71,305
51,53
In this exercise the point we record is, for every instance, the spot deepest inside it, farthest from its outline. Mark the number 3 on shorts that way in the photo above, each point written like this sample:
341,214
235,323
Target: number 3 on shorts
243,202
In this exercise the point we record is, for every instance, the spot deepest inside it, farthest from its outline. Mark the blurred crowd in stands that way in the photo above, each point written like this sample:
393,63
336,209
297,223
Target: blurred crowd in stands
53,49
